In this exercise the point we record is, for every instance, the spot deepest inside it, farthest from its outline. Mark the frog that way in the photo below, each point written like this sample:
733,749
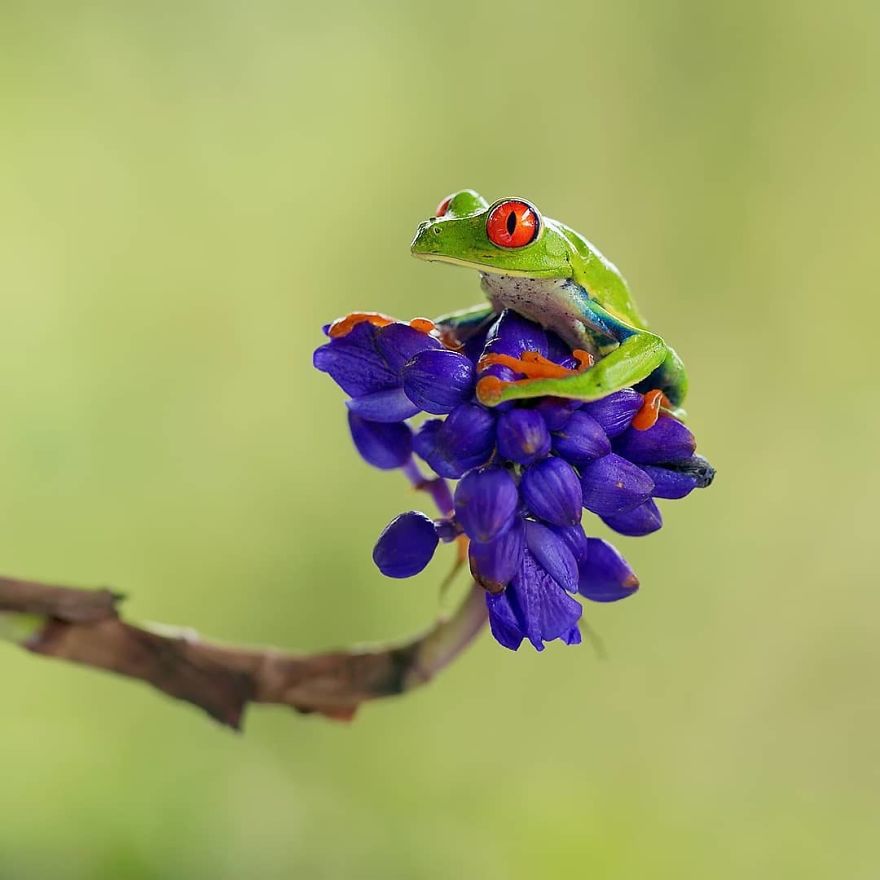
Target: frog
550,274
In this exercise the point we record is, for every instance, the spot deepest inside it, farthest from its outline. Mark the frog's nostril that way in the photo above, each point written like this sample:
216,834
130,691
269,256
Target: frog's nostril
436,230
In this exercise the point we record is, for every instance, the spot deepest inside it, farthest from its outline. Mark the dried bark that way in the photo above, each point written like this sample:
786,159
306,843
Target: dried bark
85,627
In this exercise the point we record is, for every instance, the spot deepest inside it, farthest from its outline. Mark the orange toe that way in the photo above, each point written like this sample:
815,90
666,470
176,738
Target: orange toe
647,416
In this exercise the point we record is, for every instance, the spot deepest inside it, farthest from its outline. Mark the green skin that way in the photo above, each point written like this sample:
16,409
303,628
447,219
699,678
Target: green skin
562,282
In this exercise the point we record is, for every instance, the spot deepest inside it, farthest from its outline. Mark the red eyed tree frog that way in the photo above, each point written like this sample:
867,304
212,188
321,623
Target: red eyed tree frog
552,275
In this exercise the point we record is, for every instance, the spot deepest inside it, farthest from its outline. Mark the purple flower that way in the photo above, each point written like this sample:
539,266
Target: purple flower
526,469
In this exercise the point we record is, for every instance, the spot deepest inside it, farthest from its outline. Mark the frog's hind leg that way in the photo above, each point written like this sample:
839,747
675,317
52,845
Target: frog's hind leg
670,378
456,328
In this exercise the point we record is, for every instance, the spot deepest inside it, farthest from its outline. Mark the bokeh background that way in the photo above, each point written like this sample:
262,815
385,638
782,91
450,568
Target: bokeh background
189,190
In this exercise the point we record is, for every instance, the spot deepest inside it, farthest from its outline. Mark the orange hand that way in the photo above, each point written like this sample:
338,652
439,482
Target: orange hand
344,326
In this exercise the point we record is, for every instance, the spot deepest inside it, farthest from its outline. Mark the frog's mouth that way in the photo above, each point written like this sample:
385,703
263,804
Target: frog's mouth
485,267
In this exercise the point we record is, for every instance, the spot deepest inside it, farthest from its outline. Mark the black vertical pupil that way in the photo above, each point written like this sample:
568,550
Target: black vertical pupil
511,222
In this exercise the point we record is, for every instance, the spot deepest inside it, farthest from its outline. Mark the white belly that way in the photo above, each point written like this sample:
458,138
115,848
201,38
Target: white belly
551,302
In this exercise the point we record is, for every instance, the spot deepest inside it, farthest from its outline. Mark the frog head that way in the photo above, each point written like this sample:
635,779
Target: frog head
509,237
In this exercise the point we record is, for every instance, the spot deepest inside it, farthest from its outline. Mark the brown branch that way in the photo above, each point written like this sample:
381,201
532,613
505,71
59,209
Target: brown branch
84,626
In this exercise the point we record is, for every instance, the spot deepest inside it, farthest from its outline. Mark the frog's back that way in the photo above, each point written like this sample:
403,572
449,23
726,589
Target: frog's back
601,279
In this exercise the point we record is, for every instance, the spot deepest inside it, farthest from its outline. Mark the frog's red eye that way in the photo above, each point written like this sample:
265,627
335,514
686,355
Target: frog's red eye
513,224
443,207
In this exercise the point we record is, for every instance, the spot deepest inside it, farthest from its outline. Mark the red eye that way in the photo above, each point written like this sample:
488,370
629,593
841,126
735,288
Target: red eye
443,207
513,224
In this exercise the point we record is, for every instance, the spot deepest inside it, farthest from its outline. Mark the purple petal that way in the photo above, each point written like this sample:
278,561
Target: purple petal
391,405
406,545
575,539
355,364
641,520
572,637
551,491
399,343
383,445
522,436
502,621
668,442
437,381
615,412
486,503
542,609
494,563
606,576
612,485
553,555
582,440
560,353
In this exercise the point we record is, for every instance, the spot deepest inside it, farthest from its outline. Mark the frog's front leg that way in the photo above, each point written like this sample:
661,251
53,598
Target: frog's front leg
638,355
456,328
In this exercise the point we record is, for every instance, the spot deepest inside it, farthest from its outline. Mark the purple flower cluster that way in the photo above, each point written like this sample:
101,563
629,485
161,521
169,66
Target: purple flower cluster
526,470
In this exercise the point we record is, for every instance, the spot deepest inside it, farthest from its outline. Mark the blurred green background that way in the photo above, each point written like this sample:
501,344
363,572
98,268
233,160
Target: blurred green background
189,190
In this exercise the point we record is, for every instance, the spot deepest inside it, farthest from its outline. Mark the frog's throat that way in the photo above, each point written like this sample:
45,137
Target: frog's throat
485,269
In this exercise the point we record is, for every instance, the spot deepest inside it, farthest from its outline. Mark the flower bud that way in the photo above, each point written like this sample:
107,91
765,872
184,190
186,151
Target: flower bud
582,440
522,436
638,521
437,381
612,485
486,503
399,343
667,442
494,563
615,412
606,576
406,545
514,335
551,491
467,437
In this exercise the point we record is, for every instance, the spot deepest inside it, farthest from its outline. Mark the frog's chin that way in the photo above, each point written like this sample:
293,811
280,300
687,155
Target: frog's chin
483,268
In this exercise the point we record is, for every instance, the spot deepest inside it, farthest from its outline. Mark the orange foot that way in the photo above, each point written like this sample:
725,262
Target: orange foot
647,416
530,364
344,326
